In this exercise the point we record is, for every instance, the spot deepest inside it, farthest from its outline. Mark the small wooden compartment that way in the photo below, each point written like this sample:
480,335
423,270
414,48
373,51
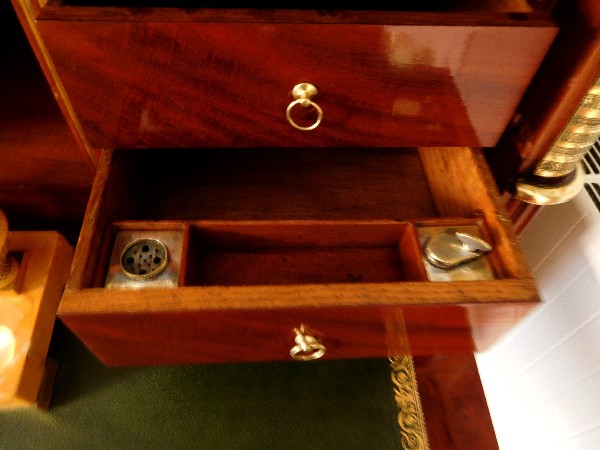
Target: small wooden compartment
295,253
274,239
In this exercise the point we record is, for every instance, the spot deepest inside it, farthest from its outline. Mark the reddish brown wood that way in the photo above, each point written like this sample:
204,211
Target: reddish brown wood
217,336
243,303
244,185
146,84
298,253
145,331
484,12
199,83
25,12
458,195
454,405
45,178
410,251
568,71
522,215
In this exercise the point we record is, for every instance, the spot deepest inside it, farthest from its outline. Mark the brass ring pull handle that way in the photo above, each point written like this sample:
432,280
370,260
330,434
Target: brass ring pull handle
307,347
303,93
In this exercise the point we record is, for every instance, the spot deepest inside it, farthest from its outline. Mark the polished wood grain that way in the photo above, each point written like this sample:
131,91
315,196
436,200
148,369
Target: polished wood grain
189,325
214,320
570,68
453,401
261,253
25,12
195,84
568,71
461,12
45,177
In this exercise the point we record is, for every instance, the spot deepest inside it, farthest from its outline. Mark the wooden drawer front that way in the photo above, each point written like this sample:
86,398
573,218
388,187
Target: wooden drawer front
190,84
332,245
192,336
217,336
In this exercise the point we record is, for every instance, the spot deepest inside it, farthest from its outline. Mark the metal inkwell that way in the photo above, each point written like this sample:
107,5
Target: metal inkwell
145,259
455,253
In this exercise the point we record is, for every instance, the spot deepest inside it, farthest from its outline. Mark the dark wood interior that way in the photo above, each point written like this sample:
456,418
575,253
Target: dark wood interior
300,253
242,195
153,187
45,178
513,6
269,184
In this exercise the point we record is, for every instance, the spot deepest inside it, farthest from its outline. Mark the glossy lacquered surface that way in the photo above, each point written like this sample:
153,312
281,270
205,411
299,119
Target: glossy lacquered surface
190,84
454,404
45,178
256,267
200,325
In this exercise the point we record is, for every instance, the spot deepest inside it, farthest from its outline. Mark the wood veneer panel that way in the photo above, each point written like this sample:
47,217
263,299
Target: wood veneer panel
209,324
45,178
104,202
512,6
188,326
26,12
454,404
266,184
148,84
238,254
489,12
567,72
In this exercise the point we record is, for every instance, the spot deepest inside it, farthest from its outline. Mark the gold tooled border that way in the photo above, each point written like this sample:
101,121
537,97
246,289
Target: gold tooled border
410,412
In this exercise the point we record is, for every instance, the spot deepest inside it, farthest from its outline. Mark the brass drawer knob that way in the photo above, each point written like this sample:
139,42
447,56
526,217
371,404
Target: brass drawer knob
307,347
303,93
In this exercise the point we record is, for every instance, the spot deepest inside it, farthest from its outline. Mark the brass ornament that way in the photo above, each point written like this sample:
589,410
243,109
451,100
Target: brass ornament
303,94
308,347
563,160
144,259
410,412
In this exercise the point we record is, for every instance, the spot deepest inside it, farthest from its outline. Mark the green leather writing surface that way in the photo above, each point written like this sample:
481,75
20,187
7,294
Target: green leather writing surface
314,405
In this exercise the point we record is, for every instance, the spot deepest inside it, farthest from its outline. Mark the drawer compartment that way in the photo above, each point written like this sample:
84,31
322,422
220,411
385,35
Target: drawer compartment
276,253
142,81
274,240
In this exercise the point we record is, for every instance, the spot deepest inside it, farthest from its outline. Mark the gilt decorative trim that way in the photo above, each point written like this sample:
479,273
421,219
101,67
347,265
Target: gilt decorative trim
559,175
575,139
410,412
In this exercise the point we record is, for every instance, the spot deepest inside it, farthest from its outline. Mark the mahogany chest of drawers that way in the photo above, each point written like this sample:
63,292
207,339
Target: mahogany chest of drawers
298,226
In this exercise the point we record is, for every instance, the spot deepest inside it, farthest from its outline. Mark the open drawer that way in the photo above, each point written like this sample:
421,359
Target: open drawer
274,247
